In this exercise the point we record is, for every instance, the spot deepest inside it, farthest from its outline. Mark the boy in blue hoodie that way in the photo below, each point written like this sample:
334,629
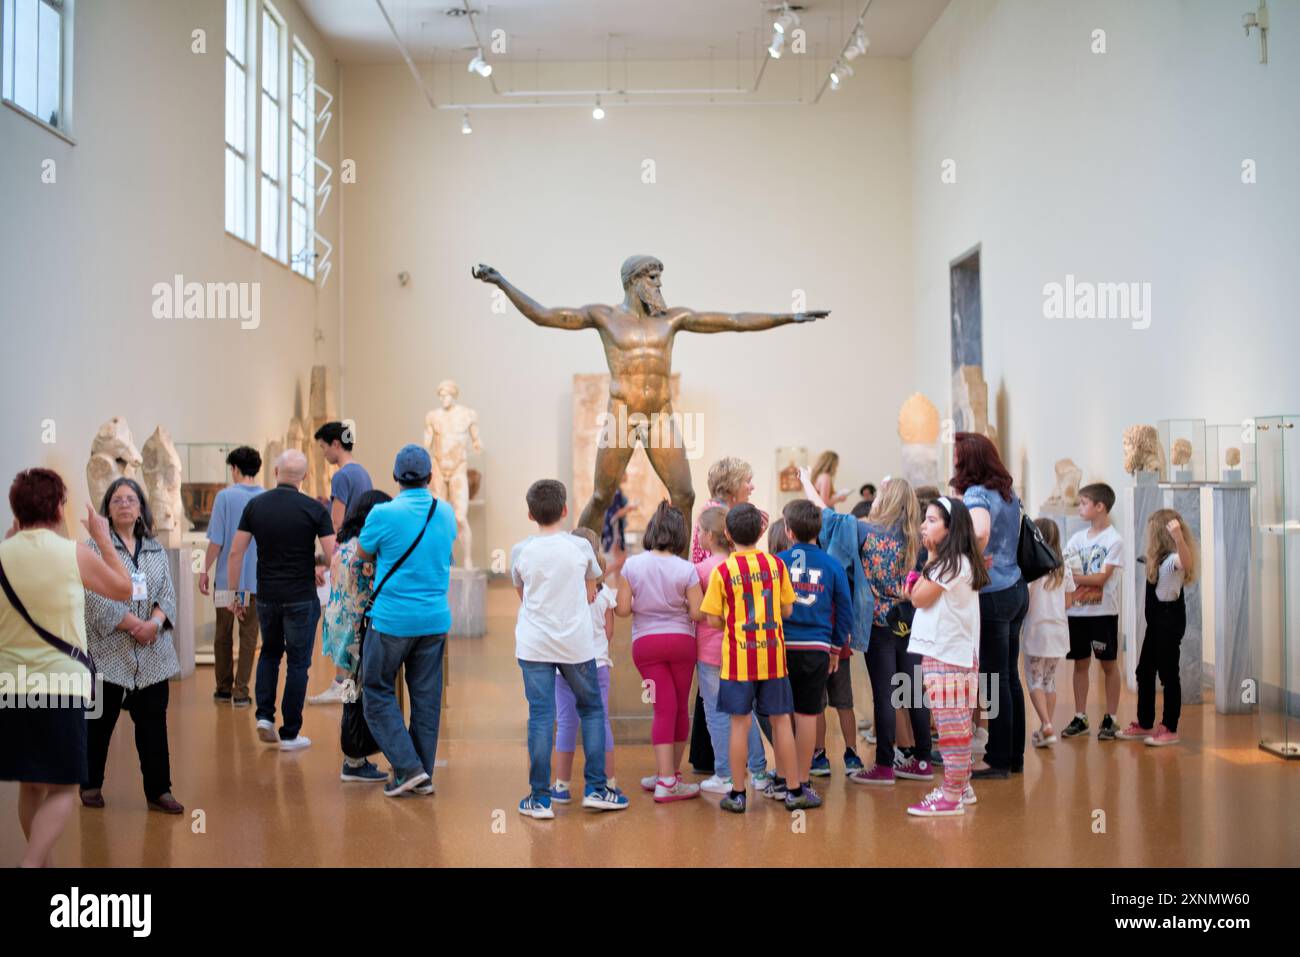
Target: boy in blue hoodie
816,629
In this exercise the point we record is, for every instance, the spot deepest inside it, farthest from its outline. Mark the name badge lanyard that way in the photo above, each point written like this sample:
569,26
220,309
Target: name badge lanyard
139,586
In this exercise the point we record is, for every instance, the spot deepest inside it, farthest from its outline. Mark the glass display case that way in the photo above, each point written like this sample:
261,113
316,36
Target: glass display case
1230,453
203,475
1277,639
1183,441
789,460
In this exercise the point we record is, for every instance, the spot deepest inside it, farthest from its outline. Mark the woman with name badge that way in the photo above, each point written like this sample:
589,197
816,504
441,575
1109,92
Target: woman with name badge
131,643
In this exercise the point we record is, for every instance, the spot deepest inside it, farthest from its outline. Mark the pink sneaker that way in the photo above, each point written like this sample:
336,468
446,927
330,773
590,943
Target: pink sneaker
1162,737
936,805
1134,732
914,769
879,774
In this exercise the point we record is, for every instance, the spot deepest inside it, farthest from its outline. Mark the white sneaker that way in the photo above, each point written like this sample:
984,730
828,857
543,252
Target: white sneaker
331,695
760,781
716,785
679,790
651,782
968,796
266,732
295,744
979,741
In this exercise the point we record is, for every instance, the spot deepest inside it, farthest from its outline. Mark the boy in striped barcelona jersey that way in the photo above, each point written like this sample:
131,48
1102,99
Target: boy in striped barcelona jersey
749,595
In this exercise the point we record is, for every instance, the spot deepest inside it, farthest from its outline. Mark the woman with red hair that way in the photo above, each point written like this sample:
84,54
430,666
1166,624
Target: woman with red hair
43,652
985,486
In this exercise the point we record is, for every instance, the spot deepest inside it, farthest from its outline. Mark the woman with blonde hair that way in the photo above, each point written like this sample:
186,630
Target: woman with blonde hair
823,478
731,481
1171,567
889,541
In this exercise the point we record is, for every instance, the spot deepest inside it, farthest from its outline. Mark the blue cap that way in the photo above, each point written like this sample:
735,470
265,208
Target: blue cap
413,464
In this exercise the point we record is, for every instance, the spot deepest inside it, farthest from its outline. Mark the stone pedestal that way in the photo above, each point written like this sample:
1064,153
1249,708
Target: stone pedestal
467,596
1067,521
179,567
921,464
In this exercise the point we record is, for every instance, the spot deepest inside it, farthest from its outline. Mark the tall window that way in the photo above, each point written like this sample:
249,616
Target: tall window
32,61
240,217
302,177
273,158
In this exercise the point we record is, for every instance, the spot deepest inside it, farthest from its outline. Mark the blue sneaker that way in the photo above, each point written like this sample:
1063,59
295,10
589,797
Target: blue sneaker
560,793
605,799
851,761
364,772
536,807
401,783
821,765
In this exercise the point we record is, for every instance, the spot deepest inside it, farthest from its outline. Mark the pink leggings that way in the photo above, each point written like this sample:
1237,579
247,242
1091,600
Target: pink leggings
667,663
950,693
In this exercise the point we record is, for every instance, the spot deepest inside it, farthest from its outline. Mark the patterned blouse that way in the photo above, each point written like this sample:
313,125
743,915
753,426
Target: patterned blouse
119,658
882,561
351,582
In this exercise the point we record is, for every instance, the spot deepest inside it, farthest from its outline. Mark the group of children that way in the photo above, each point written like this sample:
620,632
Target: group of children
765,632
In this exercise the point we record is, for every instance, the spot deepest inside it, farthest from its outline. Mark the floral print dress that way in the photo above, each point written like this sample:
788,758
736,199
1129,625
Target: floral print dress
351,583
882,562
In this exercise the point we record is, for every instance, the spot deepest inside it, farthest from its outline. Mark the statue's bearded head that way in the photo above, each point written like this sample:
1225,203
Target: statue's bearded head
641,277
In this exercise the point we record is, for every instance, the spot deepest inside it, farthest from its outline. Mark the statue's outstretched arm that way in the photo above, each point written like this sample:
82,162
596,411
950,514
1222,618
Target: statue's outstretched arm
557,318
743,321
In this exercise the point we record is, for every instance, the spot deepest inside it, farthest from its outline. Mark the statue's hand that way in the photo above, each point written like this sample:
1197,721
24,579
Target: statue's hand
485,274
810,316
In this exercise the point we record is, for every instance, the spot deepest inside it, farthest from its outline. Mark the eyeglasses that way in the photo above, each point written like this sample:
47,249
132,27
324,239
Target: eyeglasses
124,500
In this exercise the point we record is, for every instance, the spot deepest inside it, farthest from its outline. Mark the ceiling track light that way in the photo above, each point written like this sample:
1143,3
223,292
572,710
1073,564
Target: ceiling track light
465,128
787,20
480,66
858,46
599,112
778,41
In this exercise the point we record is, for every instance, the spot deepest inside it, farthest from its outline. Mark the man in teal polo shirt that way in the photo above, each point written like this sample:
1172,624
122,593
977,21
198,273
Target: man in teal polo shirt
409,621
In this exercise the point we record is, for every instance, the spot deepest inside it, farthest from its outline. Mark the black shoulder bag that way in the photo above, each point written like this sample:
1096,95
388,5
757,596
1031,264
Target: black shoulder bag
355,738
51,639
1033,555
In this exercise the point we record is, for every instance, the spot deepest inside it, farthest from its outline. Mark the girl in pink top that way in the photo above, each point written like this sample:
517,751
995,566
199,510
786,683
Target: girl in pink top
662,594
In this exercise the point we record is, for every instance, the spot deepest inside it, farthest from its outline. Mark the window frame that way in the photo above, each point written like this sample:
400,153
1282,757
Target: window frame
65,10
303,261
281,101
250,153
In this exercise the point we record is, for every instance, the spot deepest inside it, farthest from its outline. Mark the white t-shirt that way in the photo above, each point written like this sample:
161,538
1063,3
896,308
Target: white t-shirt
1169,580
606,599
1087,554
1046,631
554,623
949,630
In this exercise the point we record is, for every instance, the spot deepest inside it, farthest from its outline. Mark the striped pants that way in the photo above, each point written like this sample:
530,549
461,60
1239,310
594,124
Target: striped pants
951,692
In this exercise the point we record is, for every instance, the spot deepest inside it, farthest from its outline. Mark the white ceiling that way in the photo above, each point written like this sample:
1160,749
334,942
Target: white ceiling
582,30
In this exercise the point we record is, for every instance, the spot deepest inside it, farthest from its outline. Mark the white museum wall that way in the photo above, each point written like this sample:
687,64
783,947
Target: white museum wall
138,199
750,204
1117,167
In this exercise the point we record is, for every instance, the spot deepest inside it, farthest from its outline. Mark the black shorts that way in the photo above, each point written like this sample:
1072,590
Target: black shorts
808,672
1093,636
839,687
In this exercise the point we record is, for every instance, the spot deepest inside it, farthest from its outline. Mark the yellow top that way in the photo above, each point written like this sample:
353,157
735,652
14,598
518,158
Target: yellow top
41,566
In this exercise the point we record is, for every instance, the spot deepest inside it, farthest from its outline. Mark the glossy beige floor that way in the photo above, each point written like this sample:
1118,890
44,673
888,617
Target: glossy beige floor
1214,800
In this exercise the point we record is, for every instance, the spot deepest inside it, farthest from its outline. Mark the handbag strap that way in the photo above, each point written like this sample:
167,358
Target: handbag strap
51,639
405,555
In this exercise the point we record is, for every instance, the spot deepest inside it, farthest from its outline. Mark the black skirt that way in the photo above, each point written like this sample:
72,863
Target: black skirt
40,744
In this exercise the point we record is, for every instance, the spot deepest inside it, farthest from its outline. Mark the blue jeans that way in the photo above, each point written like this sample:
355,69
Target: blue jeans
719,725
539,689
288,631
413,750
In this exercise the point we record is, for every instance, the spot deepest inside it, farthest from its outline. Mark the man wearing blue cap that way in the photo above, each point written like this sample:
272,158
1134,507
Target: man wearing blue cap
410,540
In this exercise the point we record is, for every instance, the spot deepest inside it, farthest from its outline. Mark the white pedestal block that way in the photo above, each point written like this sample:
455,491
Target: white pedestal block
467,596
178,565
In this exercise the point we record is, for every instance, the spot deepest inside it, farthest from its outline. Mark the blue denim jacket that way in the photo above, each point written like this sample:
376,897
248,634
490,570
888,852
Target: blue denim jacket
839,537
